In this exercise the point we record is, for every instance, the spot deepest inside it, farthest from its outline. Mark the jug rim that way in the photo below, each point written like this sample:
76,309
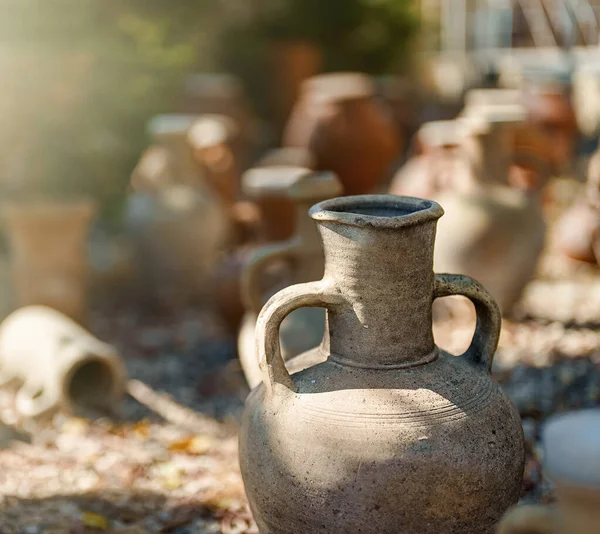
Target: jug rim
378,211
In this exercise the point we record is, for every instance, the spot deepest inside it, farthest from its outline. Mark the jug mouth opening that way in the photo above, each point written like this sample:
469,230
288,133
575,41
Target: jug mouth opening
379,211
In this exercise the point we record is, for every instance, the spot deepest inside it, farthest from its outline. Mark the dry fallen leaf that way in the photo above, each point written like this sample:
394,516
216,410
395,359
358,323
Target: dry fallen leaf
90,519
194,445
141,429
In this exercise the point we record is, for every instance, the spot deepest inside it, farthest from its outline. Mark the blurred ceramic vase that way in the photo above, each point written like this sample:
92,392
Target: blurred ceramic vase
303,329
379,431
178,233
435,166
222,94
59,364
571,460
549,107
178,224
346,129
48,244
492,231
578,231
277,210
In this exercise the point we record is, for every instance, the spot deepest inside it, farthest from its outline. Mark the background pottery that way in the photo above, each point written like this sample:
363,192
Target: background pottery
303,254
59,363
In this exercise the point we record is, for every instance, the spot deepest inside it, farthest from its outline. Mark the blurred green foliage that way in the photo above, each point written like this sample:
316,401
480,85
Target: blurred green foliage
81,78
370,36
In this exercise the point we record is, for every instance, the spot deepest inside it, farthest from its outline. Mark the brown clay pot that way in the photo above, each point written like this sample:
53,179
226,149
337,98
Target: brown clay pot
381,432
303,252
571,459
49,255
339,120
292,62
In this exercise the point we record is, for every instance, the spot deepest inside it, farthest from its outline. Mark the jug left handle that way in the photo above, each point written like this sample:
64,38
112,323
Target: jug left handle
254,268
487,331
530,519
320,294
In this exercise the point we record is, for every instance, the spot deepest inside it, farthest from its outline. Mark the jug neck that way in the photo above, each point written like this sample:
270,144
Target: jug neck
379,257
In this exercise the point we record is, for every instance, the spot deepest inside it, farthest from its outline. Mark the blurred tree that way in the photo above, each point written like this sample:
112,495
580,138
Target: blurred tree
371,36
80,78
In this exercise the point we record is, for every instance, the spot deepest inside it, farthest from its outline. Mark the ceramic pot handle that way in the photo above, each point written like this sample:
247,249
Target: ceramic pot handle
487,331
319,294
251,294
32,401
531,519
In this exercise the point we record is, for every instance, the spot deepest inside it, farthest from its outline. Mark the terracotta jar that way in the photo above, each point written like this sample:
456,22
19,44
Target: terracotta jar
60,364
381,431
303,329
578,231
491,232
339,120
48,243
571,460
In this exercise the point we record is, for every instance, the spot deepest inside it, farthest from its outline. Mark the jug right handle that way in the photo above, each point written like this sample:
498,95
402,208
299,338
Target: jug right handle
530,519
258,261
320,294
487,331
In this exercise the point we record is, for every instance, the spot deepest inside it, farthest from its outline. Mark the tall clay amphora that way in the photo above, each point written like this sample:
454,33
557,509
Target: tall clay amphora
303,252
48,242
572,461
384,433
347,130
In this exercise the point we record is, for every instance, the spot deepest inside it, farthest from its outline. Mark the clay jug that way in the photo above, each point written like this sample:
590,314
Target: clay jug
303,329
48,243
379,431
347,130
571,460
60,364
492,231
